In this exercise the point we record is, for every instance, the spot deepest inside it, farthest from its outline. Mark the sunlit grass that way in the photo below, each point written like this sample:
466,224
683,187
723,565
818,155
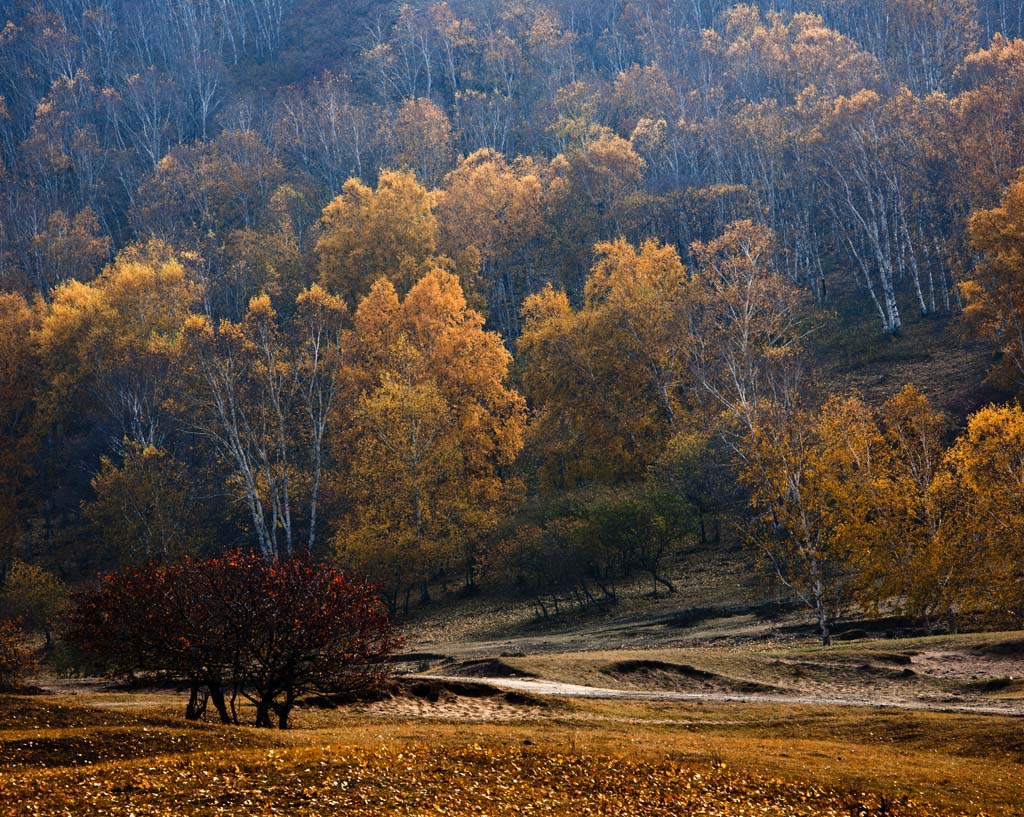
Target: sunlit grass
594,757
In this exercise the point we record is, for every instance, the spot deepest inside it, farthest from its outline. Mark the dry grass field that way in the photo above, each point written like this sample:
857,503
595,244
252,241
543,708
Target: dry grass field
708,711
465,749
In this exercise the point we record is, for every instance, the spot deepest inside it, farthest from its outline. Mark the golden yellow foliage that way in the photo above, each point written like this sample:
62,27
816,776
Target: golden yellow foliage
849,505
114,334
981,537
261,391
747,336
210,187
69,248
995,292
390,232
864,505
145,509
35,597
608,382
424,140
491,204
427,435
785,53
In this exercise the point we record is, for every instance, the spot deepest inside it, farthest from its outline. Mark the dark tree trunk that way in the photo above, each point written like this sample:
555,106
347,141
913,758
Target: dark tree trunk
284,709
217,696
666,583
196,707
263,714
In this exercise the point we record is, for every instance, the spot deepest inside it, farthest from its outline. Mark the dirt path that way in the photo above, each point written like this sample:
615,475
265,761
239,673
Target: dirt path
556,689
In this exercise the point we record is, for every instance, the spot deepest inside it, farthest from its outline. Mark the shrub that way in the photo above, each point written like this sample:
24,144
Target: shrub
36,597
16,657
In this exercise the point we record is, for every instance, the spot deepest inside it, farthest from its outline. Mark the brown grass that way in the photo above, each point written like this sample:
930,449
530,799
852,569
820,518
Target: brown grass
99,753
976,672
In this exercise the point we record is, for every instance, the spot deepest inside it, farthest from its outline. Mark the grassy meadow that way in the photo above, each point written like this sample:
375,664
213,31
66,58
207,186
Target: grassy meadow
477,752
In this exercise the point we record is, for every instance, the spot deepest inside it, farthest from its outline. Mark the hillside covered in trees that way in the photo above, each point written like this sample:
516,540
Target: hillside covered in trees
518,294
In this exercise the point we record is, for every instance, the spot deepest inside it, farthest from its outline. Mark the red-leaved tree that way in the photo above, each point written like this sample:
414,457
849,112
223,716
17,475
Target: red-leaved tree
241,625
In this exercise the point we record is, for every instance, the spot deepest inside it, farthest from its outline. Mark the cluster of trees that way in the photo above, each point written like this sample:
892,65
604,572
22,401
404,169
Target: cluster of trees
862,133
870,507
851,504
396,416
241,625
575,549
389,438
359,298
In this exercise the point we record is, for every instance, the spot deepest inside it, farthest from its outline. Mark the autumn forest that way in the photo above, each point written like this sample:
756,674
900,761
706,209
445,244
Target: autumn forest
517,298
